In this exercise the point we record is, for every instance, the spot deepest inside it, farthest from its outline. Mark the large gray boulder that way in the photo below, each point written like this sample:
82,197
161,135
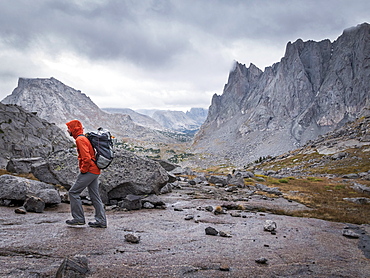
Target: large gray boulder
131,174
24,134
19,189
128,174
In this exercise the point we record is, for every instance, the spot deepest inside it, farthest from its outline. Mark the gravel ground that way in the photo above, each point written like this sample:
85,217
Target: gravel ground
35,245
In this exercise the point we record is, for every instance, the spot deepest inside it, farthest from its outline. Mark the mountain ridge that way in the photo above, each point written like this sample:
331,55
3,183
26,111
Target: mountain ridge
58,103
315,88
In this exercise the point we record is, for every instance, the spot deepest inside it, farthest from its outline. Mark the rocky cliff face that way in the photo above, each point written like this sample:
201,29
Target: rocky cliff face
23,134
58,103
315,88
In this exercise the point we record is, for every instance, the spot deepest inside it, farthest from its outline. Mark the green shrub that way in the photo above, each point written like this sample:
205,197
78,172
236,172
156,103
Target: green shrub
283,180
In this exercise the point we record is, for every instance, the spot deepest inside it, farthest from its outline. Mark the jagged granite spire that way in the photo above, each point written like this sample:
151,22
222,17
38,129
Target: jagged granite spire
315,88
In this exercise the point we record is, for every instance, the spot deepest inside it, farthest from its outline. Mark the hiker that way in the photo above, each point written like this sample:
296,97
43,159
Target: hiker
88,177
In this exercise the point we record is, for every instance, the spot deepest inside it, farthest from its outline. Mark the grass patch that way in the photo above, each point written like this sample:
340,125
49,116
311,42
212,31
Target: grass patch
283,181
324,197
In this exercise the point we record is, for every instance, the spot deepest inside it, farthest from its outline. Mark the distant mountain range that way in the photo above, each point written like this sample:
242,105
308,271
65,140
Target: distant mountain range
58,103
187,122
317,87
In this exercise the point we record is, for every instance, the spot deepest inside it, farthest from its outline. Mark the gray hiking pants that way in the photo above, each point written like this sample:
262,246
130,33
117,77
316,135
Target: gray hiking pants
91,181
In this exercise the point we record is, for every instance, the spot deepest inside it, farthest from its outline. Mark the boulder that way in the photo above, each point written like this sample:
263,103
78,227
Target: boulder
154,200
131,174
271,190
168,166
22,165
131,202
237,181
215,179
19,189
76,266
34,204
128,174
244,174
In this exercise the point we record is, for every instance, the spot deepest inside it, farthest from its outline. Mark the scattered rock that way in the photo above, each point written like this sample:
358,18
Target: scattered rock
148,205
34,204
361,188
20,210
221,180
261,260
338,156
271,190
131,202
224,234
166,189
224,267
231,189
76,266
211,231
236,214
350,176
154,200
349,233
189,217
132,238
209,208
359,200
270,226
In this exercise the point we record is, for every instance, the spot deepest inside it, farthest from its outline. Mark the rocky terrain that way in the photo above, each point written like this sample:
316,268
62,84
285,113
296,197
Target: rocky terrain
314,89
186,239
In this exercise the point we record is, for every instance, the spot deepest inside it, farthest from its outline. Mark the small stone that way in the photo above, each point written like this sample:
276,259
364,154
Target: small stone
148,205
224,234
270,226
261,260
178,209
132,238
34,204
189,217
209,208
350,234
224,267
235,214
20,210
211,231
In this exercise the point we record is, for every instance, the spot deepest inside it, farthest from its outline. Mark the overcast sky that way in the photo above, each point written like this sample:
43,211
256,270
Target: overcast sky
163,54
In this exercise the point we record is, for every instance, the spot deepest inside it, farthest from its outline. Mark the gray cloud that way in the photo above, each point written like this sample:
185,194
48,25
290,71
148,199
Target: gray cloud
180,41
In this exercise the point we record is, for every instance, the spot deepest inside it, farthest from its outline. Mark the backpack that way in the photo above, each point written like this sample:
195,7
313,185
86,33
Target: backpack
102,143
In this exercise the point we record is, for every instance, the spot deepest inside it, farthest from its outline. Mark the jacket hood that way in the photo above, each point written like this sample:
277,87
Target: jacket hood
75,127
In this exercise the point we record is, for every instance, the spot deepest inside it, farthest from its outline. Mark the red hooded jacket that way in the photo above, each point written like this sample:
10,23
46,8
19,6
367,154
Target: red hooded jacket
86,153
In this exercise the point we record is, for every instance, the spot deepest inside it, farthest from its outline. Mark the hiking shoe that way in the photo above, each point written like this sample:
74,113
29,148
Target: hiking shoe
75,222
97,225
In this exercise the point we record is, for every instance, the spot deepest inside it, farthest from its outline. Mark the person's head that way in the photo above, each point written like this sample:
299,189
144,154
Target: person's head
75,128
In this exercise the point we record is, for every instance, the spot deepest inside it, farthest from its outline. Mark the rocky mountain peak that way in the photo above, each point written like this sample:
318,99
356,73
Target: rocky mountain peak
315,88
58,103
